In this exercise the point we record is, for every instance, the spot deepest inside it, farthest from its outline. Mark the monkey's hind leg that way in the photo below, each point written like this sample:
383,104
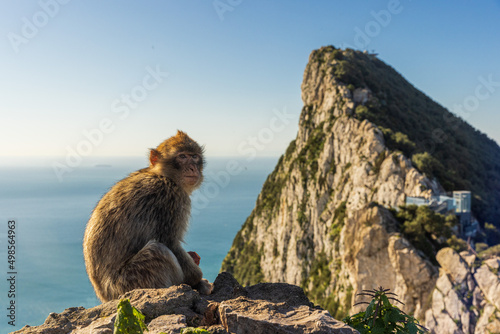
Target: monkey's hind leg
204,287
154,266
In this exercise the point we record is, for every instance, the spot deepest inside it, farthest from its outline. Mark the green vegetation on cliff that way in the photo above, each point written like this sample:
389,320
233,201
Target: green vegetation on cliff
427,230
271,190
243,259
317,282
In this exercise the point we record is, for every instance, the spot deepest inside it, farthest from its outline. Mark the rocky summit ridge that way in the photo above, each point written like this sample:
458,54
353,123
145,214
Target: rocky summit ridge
326,218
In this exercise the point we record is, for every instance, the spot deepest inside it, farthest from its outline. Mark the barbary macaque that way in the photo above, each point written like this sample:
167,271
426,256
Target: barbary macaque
133,238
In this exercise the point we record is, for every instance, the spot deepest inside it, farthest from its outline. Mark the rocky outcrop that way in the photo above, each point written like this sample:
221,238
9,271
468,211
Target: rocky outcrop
323,219
262,308
313,225
378,255
466,295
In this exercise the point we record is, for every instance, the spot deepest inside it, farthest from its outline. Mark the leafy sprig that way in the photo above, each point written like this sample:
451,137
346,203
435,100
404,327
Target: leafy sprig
382,317
128,319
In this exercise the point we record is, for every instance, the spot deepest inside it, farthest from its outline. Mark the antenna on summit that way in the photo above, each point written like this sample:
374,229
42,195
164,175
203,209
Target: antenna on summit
371,53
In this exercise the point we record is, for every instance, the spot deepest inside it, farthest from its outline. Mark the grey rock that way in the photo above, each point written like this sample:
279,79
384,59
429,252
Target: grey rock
250,316
376,258
464,300
493,263
489,283
489,322
453,264
169,323
262,308
279,293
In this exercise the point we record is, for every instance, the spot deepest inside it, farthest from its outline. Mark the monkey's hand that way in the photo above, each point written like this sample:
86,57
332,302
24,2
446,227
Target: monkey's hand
204,287
196,257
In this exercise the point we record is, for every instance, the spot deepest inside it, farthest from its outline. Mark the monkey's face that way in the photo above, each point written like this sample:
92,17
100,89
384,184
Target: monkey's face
179,158
189,165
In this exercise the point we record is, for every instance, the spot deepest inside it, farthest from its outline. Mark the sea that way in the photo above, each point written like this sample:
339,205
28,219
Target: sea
43,213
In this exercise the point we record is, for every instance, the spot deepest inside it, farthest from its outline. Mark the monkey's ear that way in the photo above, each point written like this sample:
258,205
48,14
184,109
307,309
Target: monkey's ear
154,156
181,135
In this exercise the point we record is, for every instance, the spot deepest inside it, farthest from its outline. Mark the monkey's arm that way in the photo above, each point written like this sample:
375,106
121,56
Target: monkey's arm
196,257
192,272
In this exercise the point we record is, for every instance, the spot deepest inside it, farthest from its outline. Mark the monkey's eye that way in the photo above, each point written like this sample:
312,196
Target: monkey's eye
182,156
195,157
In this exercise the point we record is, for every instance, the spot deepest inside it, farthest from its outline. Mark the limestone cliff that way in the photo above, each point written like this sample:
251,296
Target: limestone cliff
322,218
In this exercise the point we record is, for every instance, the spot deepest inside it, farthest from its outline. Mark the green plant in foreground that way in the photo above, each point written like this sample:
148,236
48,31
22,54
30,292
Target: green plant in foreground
381,317
192,330
128,319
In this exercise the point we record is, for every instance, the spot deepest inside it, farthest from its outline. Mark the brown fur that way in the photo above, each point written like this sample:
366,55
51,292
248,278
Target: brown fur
133,238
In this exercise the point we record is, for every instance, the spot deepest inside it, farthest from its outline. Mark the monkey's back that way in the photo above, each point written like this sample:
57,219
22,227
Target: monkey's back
134,211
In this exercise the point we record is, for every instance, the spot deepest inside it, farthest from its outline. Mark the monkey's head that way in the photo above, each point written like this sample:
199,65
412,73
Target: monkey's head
181,159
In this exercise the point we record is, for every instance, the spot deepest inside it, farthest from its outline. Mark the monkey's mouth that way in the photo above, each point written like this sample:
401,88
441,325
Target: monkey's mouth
191,179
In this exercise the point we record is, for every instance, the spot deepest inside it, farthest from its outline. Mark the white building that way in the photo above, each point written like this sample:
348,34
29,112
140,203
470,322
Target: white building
462,201
460,204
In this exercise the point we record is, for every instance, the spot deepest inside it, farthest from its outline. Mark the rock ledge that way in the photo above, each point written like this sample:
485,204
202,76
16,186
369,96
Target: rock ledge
231,308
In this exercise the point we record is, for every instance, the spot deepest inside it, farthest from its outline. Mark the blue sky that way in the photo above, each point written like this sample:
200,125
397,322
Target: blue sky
113,78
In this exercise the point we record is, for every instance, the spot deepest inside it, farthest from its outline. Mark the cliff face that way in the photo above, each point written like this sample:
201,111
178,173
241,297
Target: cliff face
466,297
321,220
